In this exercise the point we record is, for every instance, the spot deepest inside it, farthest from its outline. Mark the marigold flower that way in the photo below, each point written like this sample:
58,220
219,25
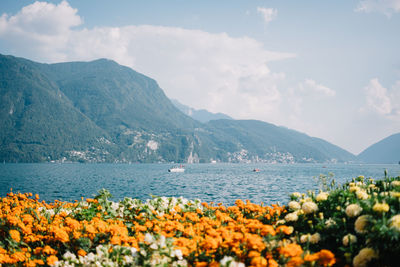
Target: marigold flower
326,258
15,235
309,207
349,239
395,183
295,261
51,260
322,196
81,252
291,250
294,205
361,223
395,222
364,256
311,257
296,195
353,210
315,238
380,207
361,194
291,217
48,250
287,230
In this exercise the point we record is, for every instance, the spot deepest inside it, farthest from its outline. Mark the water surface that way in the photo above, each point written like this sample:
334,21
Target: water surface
209,182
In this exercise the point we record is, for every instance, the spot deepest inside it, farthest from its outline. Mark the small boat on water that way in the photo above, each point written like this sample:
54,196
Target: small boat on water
177,169
256,170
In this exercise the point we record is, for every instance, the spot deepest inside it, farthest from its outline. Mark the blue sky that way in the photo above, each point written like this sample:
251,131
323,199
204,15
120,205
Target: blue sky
330,69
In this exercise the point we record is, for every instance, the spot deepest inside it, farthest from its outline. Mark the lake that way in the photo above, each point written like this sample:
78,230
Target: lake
209,182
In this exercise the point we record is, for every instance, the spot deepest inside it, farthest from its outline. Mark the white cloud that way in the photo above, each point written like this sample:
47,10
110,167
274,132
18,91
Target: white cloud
387,7
311,86
383,101
268,14
201,69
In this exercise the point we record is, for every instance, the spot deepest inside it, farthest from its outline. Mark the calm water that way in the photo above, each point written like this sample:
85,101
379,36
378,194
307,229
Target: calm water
209,182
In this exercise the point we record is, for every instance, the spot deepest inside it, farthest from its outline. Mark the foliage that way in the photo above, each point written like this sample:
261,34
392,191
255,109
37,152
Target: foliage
350,220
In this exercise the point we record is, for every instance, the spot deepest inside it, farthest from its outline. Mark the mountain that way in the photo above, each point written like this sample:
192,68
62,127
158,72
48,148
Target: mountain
265,142
201,115
100,111
384,151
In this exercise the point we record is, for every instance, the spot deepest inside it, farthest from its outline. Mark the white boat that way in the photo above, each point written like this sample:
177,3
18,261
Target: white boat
177,169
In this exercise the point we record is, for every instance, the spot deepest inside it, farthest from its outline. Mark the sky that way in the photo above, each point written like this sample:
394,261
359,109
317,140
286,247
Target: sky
330,69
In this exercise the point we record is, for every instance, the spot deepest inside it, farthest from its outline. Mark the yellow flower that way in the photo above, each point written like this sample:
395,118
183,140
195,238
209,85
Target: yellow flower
296,195
15,235
381,207
361,194
395,222
349,239
364,256
395,183
291,217
353,210
315,238
309,207
361,223
322,196
294,205
305,238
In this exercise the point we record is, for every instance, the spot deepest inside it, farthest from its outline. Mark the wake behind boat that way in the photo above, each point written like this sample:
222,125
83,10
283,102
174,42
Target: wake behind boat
177,169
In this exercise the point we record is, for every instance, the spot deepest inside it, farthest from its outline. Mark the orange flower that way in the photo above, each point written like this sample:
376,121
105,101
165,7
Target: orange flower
81,252
258,261
15,235
295,261
287,230
291,250
267,229
48,250
272,263
51,260
18,256
326,258
311,257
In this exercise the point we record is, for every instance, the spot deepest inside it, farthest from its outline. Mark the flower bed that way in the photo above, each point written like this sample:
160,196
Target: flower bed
354,224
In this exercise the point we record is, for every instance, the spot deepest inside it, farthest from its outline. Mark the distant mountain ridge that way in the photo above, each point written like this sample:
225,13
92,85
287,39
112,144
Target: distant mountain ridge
100,111
201,115
385,151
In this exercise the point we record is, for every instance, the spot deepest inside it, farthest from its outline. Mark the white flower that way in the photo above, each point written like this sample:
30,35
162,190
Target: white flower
128,259
154,246
148,238
349,239
178,254
69,256
309,207
228,261
294,205
353,210
291,217
322,196
363,257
